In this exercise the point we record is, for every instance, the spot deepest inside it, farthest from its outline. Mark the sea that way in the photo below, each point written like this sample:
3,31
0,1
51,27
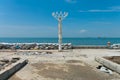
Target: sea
74,41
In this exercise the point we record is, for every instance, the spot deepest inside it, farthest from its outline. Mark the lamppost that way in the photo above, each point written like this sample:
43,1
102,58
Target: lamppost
60,16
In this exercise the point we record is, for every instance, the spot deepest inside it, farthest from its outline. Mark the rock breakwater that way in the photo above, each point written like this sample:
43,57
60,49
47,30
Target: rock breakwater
34,46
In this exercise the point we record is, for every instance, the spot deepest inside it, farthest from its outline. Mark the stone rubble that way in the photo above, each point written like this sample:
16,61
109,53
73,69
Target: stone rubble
4,62
33,53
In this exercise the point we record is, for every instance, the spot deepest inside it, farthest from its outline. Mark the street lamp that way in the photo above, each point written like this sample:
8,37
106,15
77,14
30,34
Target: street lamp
60,16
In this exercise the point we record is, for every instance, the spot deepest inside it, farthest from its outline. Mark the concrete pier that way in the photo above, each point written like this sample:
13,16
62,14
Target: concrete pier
11,69
111,65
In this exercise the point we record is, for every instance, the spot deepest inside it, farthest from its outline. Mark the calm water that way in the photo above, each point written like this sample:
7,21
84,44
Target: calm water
74,41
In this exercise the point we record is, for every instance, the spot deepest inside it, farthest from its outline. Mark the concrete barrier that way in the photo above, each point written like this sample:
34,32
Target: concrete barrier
109,64
89,47
10,70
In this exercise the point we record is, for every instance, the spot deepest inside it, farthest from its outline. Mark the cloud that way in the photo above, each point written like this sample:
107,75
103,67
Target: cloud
97,10
100,22
110,9
27,31
83,31
71,1
115,7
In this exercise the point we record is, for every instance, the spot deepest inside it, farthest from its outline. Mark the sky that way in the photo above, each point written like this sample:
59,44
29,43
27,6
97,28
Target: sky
33,18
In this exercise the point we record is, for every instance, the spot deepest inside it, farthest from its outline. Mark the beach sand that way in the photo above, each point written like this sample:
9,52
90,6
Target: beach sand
77,64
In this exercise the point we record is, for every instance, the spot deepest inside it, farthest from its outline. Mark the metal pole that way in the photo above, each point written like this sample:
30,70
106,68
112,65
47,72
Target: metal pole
60,35
59,16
